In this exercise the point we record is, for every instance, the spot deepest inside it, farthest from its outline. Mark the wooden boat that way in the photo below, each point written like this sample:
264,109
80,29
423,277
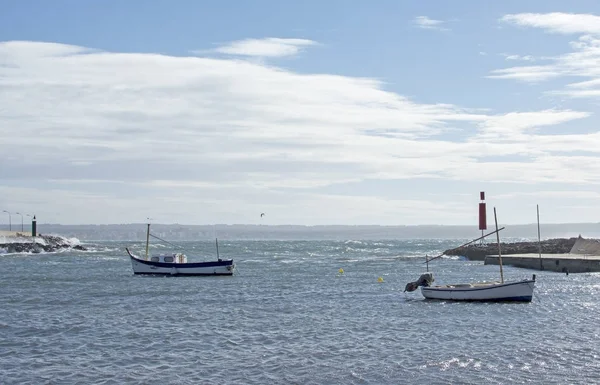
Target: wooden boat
483,291
176,264
519,291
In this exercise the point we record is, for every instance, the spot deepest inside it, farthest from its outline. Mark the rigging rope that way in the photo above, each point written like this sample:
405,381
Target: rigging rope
172,244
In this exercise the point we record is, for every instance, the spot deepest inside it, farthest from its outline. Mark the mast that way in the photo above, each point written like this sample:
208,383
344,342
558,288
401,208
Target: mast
499,248
539,238
217,243
147,240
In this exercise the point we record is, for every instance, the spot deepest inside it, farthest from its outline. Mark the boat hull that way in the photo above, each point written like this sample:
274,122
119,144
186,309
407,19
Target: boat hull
521,291
143,267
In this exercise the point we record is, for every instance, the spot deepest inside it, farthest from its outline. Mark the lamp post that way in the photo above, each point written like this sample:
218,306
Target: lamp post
21,220
9,220
28,215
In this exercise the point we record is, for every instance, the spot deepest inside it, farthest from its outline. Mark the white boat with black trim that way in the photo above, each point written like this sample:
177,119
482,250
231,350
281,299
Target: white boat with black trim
519,291
176,264
514,291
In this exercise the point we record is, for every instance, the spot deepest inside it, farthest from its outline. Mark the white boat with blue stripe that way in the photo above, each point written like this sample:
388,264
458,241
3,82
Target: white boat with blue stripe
514,291
176,264
519,291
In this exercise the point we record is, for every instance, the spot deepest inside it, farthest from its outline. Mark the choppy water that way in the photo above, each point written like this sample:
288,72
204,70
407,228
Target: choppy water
288,317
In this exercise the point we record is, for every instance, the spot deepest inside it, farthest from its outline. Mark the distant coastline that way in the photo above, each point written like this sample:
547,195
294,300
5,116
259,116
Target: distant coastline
137,232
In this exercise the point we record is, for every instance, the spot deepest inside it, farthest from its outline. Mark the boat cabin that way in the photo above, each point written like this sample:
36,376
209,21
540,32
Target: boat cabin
169,258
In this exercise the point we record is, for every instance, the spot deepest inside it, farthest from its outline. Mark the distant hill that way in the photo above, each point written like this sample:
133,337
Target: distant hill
293,232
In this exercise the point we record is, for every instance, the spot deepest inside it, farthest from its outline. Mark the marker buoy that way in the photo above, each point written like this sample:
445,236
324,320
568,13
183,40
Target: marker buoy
341,271
380,279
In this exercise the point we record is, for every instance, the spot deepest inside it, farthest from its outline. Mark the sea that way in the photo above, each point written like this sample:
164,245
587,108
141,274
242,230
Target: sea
295,312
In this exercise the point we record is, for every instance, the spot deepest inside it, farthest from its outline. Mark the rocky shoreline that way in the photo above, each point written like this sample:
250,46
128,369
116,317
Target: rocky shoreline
41,243
478,252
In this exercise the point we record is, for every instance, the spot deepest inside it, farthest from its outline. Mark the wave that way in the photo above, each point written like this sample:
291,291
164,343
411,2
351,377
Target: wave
354,242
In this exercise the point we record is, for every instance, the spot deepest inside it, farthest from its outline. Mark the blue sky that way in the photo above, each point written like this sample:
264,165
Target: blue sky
315,112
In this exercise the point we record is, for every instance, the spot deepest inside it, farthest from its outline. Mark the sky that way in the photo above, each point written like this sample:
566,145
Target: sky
312,112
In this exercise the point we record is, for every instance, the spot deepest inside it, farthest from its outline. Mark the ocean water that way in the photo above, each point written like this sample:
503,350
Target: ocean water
288,317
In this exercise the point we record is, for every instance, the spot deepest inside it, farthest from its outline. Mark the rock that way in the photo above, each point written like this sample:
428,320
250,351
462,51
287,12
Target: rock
46,243
477,252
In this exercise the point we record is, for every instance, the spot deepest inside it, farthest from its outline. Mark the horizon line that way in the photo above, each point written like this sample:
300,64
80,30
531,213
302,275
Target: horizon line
326,225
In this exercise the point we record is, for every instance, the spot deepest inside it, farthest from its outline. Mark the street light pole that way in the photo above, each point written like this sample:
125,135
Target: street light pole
9,220
21,220
29,215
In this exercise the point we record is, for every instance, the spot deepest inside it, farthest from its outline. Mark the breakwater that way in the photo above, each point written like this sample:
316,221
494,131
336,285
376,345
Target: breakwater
562,263
478,252
43,243
566,255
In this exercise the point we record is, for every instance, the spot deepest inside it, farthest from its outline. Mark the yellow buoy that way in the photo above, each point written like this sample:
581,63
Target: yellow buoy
379,279
341,271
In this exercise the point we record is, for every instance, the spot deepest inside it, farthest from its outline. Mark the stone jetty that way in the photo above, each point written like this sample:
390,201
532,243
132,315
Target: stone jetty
478,252
562,263
23,243
566,255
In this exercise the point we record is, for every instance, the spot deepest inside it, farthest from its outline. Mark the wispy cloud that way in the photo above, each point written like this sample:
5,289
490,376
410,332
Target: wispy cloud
581,62
586,84
557,22
559,194
268,47
527,73
425,22
514,126
519,57
268,137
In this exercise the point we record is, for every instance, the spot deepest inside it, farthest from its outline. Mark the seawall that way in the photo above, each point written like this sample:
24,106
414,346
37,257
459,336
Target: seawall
572,255
478,252
564,263
20,243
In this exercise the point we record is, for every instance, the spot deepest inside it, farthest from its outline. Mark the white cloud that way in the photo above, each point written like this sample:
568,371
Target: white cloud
425,22
557,22
559,194
268,47
582,62
527,73
116,137
519,57
586,84
510,126
578,93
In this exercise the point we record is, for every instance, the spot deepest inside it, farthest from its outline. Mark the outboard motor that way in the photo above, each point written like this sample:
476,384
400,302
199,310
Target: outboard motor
426,279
